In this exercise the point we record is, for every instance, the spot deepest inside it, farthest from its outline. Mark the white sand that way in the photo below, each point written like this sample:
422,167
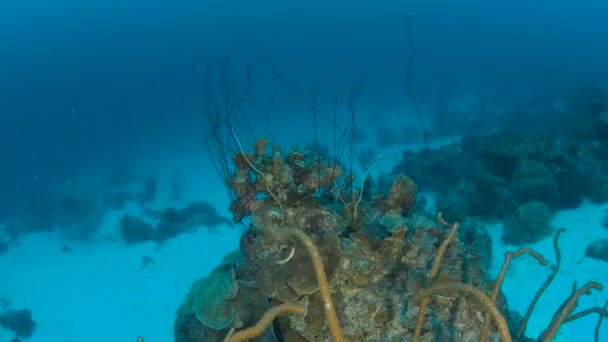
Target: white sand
98,291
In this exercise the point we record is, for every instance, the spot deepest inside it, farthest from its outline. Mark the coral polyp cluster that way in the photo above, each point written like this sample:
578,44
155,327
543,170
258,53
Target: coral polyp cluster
285,178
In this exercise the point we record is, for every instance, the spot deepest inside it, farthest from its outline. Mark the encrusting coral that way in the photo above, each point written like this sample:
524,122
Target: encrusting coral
324,261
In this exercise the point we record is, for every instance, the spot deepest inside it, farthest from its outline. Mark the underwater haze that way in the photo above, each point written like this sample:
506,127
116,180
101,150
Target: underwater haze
161,160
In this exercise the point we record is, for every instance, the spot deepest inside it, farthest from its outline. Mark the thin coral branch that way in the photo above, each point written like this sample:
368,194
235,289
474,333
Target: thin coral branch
264,322
455,287
256,170
434,271
601,312
566,309
443,247
596,333
365,175
414,99
330,311
558,260
501,276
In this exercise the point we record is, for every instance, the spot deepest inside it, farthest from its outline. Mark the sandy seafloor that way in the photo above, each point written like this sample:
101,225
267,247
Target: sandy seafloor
98,292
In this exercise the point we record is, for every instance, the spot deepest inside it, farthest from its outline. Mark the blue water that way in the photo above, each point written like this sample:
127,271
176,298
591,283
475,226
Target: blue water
87,85
96,88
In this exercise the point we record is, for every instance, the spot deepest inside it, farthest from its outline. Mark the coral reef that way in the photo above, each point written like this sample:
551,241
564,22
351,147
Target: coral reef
18,321
171,222
491,175
598,249
325,260
529,223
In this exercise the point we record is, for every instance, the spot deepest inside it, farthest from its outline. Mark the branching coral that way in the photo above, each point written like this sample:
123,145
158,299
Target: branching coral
480,296
508,257
264,322
434,271
328,305
564,314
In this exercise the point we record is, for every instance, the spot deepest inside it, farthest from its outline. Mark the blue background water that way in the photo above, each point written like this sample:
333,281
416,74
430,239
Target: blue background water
83,85
88,87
